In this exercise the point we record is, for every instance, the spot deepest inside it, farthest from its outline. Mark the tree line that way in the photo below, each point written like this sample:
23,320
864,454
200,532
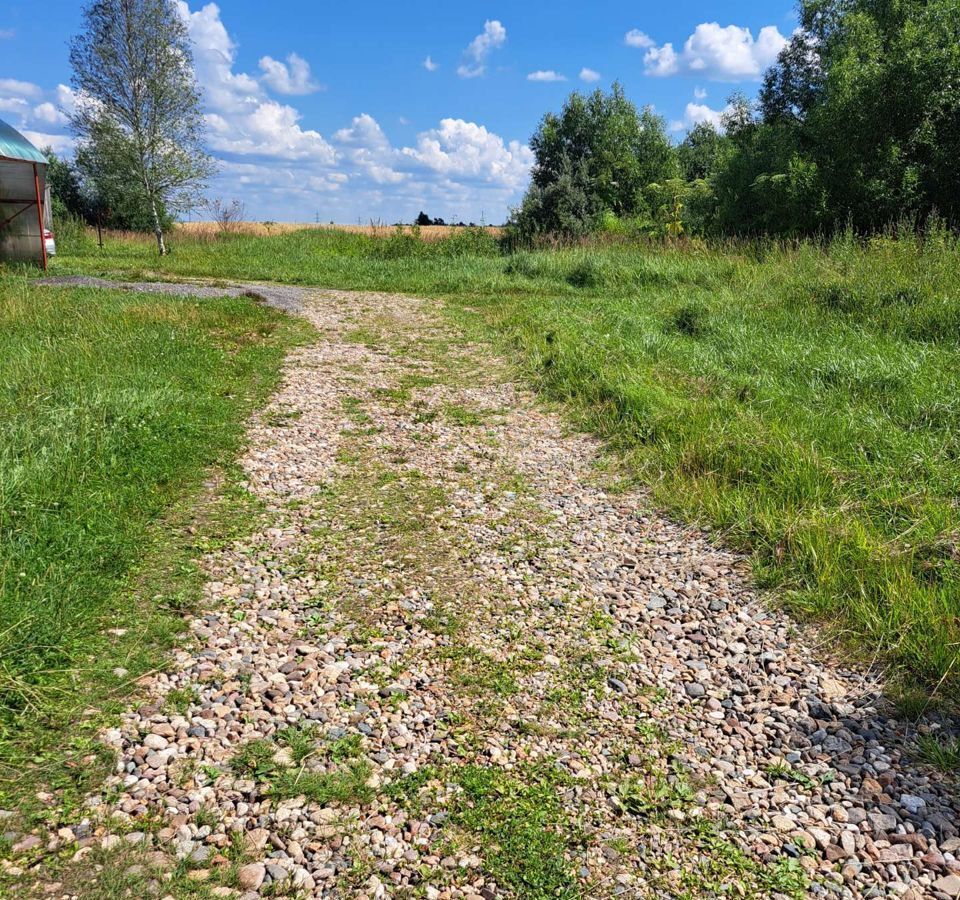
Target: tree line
856,125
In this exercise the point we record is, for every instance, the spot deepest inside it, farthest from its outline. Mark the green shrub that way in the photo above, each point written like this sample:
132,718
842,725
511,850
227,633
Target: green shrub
469,242
400,245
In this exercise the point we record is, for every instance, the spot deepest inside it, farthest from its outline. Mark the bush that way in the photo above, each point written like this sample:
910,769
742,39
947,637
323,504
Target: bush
400,245
469,242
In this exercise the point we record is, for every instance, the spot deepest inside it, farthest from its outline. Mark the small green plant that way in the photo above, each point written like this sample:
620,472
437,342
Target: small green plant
347,785
940,752
521,824
786,772
212,773
255,759
348,747
300,740
179,700
460,415
405,789
206,817
655,794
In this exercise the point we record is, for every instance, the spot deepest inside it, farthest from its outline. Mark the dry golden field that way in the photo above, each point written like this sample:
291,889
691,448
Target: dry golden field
427,232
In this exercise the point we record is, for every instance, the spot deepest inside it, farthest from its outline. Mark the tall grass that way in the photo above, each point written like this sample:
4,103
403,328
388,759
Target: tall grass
805,399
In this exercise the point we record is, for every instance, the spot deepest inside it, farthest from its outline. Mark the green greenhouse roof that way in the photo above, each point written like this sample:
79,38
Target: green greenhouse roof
14,145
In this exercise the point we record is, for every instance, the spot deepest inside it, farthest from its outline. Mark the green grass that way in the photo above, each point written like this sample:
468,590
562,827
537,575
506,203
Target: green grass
115,411
941,752
345,783
805,400
522,827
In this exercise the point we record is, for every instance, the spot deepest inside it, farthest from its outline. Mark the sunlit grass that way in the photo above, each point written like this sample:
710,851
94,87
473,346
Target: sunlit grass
804,399
114,408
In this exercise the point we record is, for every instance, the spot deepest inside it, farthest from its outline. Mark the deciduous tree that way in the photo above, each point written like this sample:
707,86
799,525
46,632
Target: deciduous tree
138,112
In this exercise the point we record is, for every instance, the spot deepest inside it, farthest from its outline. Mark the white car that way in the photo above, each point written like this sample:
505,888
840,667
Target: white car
51,244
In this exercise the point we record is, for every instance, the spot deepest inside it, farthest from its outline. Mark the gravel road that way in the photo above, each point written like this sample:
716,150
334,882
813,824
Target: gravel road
289,299
455,660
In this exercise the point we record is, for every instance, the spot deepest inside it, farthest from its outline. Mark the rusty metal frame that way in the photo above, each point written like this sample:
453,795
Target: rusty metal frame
43,231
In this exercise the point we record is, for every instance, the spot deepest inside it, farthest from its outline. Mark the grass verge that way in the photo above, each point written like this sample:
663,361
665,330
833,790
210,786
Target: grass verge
118,413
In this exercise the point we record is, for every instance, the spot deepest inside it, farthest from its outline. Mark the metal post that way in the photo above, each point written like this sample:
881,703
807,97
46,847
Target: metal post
43,240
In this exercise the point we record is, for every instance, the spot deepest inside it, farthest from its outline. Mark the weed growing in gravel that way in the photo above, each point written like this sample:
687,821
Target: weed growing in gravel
460,415
715,866
943,753
350,746
122,874
301,742
481,674
205,817
787,772
258,760
406,789
345,785
179,700
255,759
654,795
523,829
281,418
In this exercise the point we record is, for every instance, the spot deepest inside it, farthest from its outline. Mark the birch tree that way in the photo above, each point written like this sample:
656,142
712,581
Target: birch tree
138,112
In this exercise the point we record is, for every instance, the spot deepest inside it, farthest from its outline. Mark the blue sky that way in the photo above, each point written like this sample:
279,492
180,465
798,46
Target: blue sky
375,110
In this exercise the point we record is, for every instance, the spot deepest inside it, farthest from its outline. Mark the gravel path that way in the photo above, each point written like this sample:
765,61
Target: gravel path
289,299
454,662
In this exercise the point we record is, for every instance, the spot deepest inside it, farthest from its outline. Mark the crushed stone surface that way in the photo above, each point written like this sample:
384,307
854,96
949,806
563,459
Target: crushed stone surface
446,584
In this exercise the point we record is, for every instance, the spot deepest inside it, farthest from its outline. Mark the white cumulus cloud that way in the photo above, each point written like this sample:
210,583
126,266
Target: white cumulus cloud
695,113
464,149
639,39
59,143
589,75
721,53
25,89
430,65
493,36
242,119
14,105
39,114
546,75
49,114
292,77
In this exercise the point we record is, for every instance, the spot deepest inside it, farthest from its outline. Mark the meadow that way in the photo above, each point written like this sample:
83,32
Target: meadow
800,398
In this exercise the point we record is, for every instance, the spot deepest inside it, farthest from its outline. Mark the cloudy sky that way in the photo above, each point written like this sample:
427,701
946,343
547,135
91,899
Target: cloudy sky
362,111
